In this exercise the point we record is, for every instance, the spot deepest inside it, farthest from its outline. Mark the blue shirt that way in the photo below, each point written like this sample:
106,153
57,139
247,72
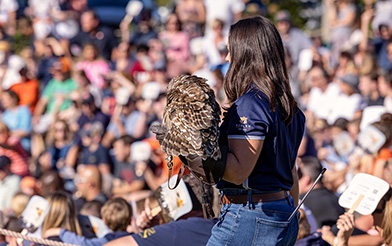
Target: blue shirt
193,231
382,53
19,119
58,154
129,123
250,117
72,238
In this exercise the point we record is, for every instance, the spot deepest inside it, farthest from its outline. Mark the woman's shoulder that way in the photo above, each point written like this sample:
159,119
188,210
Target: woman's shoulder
254,102
253,96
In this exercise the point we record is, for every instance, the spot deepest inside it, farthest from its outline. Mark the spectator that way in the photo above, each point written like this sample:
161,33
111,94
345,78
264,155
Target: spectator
385,88
62,213
11,147
382,217
368,88
122,61
55,97
305,238
192,14
342,19
17,118
27,90
322,202
126,120
85,87
375,164
117,215
321,94
127,179
91,208
19,203
93,153
215,43
41,12
176,46
9,183
143,64
58,143
94,67
8,16
48,59
89,185
380,42
12,225
293,39
49,183
92,32
353,101
28,185
144,31
10,65
190,229
229,11
91,114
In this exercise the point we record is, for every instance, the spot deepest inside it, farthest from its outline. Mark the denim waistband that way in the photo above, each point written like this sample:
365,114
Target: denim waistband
237,192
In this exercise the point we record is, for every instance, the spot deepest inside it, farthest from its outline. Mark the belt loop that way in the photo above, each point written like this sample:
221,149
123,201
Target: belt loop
221,196
251,205
287,197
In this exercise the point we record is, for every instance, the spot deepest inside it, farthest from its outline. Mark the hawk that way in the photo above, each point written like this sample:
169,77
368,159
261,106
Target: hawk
190,124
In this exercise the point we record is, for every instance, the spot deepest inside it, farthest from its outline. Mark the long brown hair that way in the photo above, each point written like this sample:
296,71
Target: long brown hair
62,213
257,57
68,135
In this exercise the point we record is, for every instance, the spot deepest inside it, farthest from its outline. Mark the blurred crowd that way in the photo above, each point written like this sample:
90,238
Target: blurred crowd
78,96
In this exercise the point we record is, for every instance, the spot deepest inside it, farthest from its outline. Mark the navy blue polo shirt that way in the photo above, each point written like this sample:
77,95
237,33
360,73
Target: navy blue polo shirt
250,117
193,231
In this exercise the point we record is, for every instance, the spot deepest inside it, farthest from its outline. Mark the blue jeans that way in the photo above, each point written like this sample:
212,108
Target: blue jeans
263,223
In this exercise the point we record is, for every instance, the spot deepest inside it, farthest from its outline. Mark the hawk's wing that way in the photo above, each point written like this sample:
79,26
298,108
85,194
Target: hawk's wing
191,118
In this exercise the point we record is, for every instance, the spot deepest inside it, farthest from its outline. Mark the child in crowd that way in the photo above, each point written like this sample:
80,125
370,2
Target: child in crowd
116,214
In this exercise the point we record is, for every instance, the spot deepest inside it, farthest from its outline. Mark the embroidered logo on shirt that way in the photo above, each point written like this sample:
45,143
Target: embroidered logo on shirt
243,123
148,232
243,120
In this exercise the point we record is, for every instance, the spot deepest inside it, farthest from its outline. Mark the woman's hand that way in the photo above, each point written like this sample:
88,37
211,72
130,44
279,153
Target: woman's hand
144,219
346,226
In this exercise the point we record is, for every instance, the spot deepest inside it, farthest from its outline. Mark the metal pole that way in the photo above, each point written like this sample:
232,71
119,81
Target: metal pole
307,193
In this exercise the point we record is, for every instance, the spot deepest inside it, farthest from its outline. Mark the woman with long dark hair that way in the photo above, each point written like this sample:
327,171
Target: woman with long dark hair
262,130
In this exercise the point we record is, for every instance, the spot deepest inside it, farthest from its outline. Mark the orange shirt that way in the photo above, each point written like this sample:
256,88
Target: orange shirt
27,92
385,154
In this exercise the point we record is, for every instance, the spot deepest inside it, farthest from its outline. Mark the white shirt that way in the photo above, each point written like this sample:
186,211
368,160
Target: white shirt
211,51
320,103
388,103
383,14
42,8
9,186
7,6
346,106
223,10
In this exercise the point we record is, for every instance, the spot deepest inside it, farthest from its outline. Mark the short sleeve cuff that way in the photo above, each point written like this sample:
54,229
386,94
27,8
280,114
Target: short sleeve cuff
246,137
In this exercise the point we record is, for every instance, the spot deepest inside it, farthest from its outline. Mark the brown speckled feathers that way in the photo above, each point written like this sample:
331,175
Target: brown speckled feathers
191,119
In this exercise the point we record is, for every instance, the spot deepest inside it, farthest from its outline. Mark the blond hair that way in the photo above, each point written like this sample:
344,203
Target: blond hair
117,214
304,226
386,224
62,213
68,135
19,203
